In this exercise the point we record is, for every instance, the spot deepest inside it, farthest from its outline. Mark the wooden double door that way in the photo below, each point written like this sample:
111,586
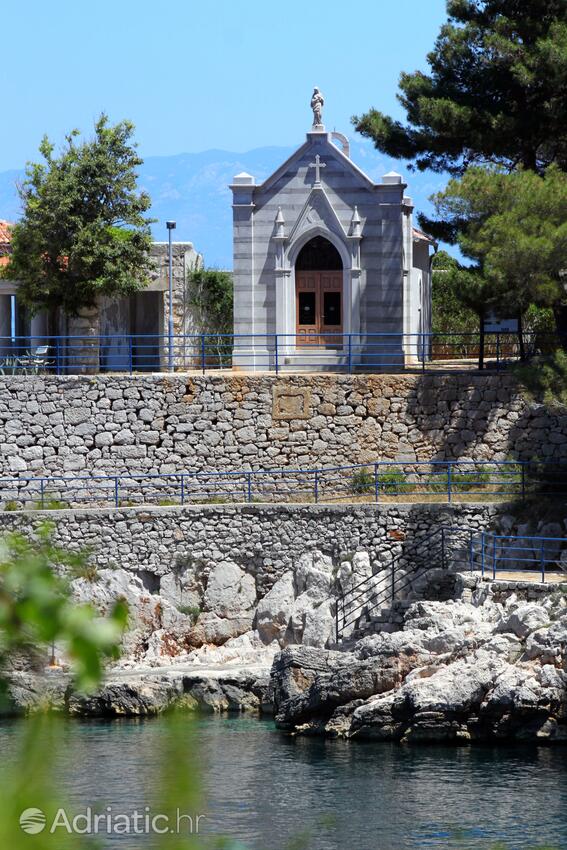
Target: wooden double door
319,308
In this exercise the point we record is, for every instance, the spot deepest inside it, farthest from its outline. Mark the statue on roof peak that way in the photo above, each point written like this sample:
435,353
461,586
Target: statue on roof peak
317,103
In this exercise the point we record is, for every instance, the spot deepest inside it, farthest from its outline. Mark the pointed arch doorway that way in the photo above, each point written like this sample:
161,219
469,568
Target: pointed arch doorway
319,297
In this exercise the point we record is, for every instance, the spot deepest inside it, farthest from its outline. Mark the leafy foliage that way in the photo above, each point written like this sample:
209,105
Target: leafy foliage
496,91
464,482
28,781
467,290
514,226
450,314
394,483
361,482
210,294
192,611
83,232
36,609
547,378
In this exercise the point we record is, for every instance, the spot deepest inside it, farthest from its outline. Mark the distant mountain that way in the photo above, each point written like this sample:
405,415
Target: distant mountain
192,189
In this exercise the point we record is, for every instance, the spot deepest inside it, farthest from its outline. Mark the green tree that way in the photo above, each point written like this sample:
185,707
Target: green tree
83,232
496,91
474,295
449,314
514,227
210,296
36,609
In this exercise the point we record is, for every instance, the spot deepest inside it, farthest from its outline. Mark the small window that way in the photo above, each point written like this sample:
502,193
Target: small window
331,308
307,308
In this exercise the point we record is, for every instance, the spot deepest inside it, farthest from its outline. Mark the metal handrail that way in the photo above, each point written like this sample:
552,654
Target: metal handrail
349,610
347,352
491,553
376,482
442,550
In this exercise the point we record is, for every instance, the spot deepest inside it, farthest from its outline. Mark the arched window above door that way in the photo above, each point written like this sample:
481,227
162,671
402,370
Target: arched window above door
319,255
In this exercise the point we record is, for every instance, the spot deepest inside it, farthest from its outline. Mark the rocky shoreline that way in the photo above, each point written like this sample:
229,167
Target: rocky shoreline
488,664
144,692
456,671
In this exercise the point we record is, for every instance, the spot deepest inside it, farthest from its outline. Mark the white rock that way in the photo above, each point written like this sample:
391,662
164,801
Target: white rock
151,619
217,629
248,648
314,572
304,603
319,626
454,688
274,610
527,618
181,589
230,591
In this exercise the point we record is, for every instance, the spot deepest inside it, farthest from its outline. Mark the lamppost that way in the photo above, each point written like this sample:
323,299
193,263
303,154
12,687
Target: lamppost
170,226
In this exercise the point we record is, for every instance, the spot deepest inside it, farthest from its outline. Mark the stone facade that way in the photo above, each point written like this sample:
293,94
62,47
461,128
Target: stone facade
54,425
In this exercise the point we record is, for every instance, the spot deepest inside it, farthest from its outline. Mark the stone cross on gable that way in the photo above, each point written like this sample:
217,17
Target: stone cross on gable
317,165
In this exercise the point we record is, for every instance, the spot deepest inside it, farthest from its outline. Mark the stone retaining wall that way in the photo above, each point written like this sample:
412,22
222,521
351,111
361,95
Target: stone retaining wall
262,540
111,424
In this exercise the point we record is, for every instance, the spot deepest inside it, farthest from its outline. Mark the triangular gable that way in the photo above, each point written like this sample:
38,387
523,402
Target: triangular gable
317,211
305,147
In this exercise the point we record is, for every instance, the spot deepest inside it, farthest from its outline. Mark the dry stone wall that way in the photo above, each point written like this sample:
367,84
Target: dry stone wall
264,541
78,425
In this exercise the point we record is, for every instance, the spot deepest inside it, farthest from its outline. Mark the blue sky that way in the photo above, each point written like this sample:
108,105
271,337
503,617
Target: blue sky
229,74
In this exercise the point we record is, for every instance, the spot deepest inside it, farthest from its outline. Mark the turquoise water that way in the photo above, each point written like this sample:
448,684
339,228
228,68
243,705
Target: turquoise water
264,789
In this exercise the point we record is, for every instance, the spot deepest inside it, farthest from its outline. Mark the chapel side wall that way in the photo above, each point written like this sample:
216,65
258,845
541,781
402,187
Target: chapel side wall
148,423
381,256
243,270
421,261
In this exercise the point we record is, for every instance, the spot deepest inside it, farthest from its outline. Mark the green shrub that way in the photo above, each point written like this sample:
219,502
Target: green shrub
191,611
394,483
11,505
510,479
361,482
88,571
464,482
546,379
51,505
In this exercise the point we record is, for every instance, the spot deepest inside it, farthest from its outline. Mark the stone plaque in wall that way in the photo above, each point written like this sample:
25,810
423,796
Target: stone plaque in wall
291,403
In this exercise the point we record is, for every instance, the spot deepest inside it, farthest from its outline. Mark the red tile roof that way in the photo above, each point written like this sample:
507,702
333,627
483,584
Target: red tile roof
421,236
5,240
5,233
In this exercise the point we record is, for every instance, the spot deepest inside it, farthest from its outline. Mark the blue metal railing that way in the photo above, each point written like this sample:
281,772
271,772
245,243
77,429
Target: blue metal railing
264,352
380,481
495,554
447,548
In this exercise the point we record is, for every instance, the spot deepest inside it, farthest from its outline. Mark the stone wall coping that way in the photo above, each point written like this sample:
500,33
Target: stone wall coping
262,508
461,378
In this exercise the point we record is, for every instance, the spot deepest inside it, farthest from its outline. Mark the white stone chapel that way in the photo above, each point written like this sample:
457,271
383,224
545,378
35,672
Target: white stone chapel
329,261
